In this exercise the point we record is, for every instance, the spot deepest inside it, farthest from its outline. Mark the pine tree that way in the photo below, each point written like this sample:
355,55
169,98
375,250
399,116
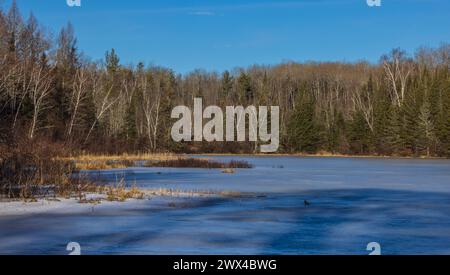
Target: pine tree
245,87
443,131
410,117
426,128
446,136
227,87
392,131
130,123
14,24
112,61
303,133
382,119
333,136
359,134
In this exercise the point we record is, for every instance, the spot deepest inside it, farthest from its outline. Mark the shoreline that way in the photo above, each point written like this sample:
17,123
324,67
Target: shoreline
169,156
95,202
318,156
61,206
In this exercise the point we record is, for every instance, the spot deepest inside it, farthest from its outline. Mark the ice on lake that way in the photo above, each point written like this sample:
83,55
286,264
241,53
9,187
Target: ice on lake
402,204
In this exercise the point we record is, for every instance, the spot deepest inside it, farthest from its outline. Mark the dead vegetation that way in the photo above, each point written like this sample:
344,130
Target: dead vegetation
229,171
126,157
167,192
199,163
121,193
105,162
37,169
29,169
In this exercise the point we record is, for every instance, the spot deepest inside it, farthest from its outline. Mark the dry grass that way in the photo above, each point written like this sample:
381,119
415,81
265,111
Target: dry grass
231,194
105,162
123,194
167,192
229,171
198,163
103,165
126,157
119,192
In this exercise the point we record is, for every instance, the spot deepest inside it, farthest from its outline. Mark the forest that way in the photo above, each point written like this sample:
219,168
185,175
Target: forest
51,92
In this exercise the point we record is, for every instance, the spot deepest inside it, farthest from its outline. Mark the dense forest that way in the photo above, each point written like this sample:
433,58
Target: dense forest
49,90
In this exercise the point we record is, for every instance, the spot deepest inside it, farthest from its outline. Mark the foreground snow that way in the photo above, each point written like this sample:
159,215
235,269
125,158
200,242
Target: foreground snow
73,206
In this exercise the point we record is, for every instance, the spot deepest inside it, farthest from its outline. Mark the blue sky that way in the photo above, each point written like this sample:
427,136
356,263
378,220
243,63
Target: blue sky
223,34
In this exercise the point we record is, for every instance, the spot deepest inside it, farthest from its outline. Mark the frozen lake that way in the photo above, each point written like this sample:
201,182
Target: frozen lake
402,204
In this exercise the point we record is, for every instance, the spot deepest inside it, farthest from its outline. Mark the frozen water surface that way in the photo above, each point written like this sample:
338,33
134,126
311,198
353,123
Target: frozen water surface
402,204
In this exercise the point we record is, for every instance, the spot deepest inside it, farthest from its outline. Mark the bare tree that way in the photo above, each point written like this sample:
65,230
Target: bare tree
103,100
397,70
363,101
151,105
78,96
41,87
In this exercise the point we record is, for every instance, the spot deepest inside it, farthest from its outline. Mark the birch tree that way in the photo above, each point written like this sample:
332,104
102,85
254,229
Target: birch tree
78,97
103,100
151,104
41,87
397,70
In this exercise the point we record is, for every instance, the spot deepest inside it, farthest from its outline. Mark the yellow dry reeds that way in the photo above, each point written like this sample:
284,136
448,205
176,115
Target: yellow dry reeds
127,157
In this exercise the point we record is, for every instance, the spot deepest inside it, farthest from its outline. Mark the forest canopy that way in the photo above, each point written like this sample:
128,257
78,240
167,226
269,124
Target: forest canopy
49,90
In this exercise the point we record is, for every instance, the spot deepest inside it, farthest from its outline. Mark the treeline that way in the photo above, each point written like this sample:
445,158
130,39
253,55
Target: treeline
50,90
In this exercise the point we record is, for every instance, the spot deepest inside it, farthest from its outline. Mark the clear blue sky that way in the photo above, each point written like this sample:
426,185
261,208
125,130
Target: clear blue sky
222,34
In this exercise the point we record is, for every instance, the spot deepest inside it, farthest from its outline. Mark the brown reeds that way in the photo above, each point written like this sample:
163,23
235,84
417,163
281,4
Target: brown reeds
199,163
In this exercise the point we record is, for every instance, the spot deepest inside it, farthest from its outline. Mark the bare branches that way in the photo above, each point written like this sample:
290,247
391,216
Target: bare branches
151,104
103,100
41,86
78,96
398,70
363,101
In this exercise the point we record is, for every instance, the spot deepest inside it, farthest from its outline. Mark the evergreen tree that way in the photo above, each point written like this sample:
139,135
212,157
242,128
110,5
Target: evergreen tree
303,133
245,87
130,123
443,131
386,141
426,128
392,132
112,61
14,25
227,87
410,123
359,134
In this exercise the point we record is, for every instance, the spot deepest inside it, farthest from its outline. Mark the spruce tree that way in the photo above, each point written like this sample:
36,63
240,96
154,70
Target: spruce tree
358,134
443,130
382,120
392,131
130,131
227,87
426,128
302,133
245,87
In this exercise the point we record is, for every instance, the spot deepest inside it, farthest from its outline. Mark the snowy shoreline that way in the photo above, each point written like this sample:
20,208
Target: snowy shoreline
73,205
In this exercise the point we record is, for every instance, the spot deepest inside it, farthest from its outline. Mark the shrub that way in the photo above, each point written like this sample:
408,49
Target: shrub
32,168
198,163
